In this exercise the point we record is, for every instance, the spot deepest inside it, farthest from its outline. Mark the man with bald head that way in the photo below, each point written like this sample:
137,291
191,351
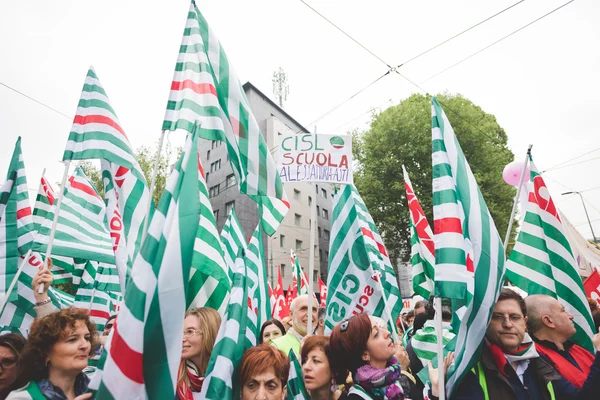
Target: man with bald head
299,312
551,326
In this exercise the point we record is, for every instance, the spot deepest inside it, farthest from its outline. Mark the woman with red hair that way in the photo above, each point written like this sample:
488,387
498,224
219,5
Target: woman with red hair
264,372
363,347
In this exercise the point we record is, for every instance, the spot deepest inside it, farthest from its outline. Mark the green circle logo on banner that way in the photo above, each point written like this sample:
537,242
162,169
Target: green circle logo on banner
337,142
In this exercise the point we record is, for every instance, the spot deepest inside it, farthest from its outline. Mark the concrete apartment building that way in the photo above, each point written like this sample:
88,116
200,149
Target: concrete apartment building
294,230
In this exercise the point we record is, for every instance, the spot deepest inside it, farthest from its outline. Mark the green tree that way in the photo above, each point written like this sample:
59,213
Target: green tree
402,135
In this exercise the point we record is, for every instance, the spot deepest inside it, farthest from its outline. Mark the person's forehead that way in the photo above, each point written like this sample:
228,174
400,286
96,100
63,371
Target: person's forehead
271,328
5,352
508,306
265,376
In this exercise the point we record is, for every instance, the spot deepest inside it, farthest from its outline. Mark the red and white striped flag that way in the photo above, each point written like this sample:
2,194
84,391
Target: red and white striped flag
281,308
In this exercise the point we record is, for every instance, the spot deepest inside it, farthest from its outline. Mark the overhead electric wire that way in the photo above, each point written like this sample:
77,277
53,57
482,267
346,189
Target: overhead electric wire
571,159
37,101
497,41
459,34
346,34
572,164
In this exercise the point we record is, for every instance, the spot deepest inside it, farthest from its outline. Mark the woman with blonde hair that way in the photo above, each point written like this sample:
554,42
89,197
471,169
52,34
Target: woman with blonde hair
200,329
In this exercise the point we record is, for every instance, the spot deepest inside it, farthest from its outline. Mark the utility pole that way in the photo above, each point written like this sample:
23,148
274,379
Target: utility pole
281,89
586,212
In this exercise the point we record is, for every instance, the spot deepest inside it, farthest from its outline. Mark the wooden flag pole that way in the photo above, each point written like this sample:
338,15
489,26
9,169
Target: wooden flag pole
437,305
55,220
153,183
514,209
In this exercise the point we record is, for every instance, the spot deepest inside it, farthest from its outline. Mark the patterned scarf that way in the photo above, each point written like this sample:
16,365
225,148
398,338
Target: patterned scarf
52,392
525,351
381,383
185,392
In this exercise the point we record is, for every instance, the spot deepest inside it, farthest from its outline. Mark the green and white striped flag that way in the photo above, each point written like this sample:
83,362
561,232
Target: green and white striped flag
16,224
145,348
6,190
542,261
209,279
221,381
96,132
295,384
206,88
422,252
92,293
469,253
424,341
233,240
357,261
300,276
258,289
82,228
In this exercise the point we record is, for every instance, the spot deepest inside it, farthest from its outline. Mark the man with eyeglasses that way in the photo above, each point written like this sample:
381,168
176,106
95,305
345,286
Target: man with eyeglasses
551,326
509,367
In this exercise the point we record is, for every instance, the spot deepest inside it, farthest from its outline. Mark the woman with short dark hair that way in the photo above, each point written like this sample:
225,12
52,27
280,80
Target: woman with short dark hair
270,330
57,350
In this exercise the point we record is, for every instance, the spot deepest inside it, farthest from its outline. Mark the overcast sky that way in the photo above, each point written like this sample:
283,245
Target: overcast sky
541,83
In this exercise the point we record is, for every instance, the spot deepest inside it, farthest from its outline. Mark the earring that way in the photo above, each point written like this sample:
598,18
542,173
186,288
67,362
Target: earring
334,387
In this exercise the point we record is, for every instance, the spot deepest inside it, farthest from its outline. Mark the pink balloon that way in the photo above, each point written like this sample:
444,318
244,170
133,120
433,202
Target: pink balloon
512,173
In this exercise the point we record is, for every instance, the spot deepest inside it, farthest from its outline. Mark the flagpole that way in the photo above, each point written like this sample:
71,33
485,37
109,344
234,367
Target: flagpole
55,220
437,304
153,182
388,311
92,300
514,209
14,282
311,257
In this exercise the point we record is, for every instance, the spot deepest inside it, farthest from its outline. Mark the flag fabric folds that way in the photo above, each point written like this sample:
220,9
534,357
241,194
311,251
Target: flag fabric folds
281,308
301,280
469,253
258,292
358,260
542,261
322,293
422,252
209,280
145,349
295,384
231,343
82,229
206,88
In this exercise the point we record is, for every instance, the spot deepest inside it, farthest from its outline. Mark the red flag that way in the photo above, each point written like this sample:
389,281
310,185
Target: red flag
592,286
289,296
280,308
322,292
294,289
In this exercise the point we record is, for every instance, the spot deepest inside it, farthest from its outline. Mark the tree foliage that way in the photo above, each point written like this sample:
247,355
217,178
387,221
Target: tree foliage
402,135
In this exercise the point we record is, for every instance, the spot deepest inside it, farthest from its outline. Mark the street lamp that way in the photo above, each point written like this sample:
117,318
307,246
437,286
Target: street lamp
585,209
271,249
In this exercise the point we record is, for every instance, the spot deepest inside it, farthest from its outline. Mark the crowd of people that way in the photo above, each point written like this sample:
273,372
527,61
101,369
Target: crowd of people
526,354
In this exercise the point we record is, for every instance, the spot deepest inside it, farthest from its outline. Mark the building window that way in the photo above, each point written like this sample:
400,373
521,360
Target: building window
320,254
318,211
297,219
325,214
324,193
319,230
327,256
229,207
298,244
215,166
216,214
213,191
206,178
309,201
215,143
230,181
325,234
283,270
208,155
296,194
281,240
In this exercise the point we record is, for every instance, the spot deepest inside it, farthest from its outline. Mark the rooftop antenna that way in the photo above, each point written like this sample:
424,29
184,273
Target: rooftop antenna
281,88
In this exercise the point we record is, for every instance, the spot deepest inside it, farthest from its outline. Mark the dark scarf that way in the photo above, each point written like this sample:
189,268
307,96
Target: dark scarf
381,383
52,392
583,358
185,392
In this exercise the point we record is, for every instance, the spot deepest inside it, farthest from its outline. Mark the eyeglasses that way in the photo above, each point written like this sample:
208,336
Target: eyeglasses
500,318
191,332
108,326
8,363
